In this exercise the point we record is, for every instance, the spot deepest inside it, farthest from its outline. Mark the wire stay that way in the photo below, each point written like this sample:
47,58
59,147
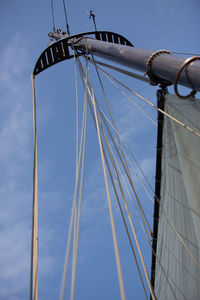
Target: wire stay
53,16
66,19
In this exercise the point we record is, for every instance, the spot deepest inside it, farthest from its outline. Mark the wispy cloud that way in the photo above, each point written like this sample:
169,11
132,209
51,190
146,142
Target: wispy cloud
15,170
16,181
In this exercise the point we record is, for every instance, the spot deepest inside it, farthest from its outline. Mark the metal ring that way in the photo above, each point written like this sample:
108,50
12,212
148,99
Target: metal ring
154,79
186,62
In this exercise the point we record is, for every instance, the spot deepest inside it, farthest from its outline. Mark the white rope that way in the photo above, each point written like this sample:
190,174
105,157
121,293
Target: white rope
115,191
113,122
73,222
158,261
91,94
129,150
124,163
111,78
77,155
118,201
34,246
128,73
134,232
77,125
148,239
181,124
170,221
66,263
129,178
110,207
130,100
129,194
76,236
186,53
138,246
144,218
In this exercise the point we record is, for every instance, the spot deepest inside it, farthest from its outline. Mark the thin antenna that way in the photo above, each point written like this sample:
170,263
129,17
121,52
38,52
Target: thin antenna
92,15
52,9
65,11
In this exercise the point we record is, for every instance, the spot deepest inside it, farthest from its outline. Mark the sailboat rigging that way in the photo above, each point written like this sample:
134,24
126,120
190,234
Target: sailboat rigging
176,195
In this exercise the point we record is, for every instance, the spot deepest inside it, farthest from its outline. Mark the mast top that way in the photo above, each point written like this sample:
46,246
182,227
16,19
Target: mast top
92,15
61,49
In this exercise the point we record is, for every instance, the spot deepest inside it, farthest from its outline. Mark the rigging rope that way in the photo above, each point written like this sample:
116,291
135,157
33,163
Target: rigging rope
180,123
99,108
134,232
91,94
34,246
130,100
65,12
106,162
118,201
109,172
127,171
80,166
111,78
185,53
73,223
123,71
148,238
144,218
77,228
135,236
177,233
113,122
76,86
130,152
109,204
117,197
136,239
53,17
161,266
108,106
66,263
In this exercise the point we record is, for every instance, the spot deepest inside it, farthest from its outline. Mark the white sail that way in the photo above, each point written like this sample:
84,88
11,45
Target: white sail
178,243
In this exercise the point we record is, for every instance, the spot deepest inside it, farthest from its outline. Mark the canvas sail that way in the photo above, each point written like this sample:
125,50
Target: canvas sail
177,266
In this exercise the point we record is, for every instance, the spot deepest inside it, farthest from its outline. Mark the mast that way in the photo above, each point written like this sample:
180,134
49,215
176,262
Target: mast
160,117
164,66
161,66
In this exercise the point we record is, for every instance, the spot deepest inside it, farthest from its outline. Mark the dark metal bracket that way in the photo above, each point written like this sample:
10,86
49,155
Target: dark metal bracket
61,50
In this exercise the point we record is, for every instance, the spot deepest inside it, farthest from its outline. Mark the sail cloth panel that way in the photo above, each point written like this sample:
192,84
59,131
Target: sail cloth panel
179,203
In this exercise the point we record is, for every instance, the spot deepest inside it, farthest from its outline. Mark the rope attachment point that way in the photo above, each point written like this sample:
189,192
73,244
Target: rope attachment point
154,80
185,64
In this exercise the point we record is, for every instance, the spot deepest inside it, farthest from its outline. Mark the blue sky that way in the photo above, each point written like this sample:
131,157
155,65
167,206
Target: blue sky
157,24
